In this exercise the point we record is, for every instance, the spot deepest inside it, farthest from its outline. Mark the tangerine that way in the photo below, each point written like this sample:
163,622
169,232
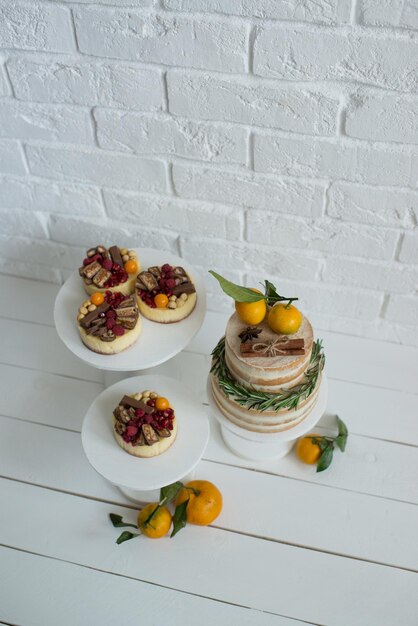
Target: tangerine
131,266
97,298
158,525
161,301
251,313
284,319
205,501
161,404
307,451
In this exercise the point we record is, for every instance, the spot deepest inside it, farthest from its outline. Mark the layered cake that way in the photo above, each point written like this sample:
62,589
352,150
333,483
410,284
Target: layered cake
109,323
109,269
165,293
266,377
144,424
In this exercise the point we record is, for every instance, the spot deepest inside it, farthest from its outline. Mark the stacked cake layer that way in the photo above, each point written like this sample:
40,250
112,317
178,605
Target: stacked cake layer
268,387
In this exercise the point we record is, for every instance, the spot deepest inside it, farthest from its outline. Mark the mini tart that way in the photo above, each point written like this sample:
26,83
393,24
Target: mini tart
112,326
104,270
173,282
142,430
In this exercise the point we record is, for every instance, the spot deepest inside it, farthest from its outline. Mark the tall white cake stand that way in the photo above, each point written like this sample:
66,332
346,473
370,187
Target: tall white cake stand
266,446
157,342
141,479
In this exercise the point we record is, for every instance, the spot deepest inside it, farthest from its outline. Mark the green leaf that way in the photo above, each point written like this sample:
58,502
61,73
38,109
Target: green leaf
179,517
238,293
341,440
325,459
168,493
118,522
269,290
125,536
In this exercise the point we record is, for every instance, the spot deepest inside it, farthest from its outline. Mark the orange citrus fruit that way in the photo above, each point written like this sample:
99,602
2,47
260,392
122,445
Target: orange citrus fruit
131,266
161,301
205,502
97,298
159,524
251,313
161,404
307,451
284,319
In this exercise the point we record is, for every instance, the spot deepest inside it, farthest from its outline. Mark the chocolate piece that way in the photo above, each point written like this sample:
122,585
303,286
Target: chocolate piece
101,277
115,254
120,428
179,271
155,271
163,433
184,288
100,249
90,317
148,280
90,270
127,401
128,311
150,435
140,285
139,439
91,252
127,322
122,414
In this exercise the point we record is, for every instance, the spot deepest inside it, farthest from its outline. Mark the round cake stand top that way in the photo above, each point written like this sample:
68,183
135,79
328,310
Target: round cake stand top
157,342
130,472
281,437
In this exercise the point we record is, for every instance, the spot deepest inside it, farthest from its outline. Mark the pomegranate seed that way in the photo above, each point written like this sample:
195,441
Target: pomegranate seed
118,330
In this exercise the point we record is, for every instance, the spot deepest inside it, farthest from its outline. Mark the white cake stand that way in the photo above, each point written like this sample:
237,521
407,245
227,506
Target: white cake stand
157,342
266,446
141,479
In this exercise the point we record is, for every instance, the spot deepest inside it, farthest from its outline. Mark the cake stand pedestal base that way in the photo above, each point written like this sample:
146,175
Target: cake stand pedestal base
152,495
261,446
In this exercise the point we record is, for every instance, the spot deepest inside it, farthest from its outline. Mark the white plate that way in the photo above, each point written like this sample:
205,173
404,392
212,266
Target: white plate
157,342
123,469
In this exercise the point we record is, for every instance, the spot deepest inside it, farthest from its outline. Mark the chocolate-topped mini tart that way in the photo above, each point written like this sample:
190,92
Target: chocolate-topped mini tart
109,269
165,293
109,323
144,424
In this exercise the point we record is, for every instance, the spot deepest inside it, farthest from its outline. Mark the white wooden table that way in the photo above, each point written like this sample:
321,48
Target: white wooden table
291,546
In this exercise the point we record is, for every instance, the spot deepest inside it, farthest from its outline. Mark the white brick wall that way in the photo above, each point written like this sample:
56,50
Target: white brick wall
264,139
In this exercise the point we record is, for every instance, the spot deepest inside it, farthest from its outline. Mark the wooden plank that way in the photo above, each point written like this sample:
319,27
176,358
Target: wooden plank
45,398
27,300
373,412
77,595
388,537
39,347
354,359
369,466
230,567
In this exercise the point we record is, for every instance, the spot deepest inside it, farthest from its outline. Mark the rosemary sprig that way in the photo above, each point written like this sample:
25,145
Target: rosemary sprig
253,399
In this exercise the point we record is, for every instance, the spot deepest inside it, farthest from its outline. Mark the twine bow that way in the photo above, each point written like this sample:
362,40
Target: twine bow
270,348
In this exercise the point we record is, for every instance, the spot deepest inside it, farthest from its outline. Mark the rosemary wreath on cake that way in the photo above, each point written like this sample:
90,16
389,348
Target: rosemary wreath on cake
258,400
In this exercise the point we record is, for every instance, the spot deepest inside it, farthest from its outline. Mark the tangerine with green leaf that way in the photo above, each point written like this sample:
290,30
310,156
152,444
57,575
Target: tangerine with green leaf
251,313
308,451
152,523
205,502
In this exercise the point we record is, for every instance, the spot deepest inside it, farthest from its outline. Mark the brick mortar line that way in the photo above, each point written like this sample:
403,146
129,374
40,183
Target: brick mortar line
272,177
85,58
376,32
